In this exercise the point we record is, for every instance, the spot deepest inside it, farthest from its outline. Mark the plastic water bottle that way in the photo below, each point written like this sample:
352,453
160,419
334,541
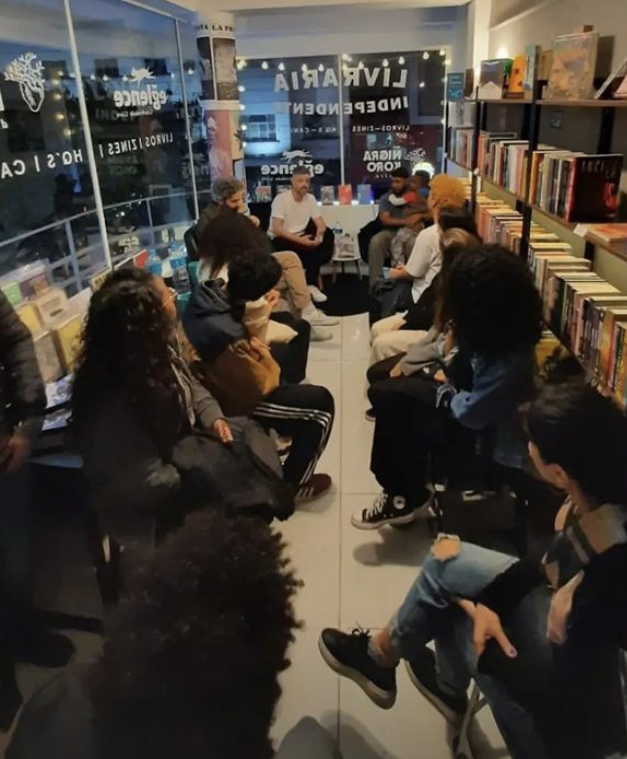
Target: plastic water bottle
180,275
154,264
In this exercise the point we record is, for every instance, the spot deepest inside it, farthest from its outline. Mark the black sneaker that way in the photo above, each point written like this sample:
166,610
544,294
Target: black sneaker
348,656
389,509
423,674
370,415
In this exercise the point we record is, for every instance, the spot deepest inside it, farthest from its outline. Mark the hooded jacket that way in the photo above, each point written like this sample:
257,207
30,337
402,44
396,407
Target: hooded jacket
237,375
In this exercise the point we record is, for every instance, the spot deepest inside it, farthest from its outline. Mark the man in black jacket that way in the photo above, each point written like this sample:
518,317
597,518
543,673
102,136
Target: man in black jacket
22,405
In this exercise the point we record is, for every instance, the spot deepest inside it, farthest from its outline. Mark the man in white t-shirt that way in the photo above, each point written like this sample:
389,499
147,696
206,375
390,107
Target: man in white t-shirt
297,225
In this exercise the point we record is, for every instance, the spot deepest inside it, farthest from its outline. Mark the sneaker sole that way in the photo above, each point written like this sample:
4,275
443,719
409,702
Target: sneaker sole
318,338
370,418
330,322
383,699
451,716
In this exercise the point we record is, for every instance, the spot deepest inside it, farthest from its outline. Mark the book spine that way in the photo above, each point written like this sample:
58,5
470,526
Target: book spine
615,357
619,380
605,349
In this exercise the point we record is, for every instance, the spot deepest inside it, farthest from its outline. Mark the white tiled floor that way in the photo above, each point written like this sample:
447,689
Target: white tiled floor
354,577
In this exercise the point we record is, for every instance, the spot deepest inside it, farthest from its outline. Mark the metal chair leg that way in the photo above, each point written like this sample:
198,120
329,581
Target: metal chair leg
463,749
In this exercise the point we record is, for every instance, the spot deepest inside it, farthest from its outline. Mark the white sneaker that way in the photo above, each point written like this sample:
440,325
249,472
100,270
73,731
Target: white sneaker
319,335
318,318
317,295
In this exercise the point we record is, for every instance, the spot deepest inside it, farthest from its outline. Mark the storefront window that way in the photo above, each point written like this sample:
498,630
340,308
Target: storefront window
44,176
133,87
290,118
392,114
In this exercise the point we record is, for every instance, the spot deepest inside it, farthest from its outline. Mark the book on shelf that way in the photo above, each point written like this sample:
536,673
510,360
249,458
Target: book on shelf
516,85
461,114
532,60
327,195
573,67
47,357
612,234
617,73
621,91
455,82
365,196
66,333
485,149
461,146
345,194
469,83
493,78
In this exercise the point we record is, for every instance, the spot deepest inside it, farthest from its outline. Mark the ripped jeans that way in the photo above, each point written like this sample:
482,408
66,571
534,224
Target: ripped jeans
429,612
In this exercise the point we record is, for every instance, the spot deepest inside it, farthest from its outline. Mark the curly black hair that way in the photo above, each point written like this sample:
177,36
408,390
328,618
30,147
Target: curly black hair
228,235
192,655
251,275
566,423
125,353
491,301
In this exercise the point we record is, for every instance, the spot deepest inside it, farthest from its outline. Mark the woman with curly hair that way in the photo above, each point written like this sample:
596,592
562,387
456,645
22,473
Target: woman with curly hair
133,398
191,660
491,319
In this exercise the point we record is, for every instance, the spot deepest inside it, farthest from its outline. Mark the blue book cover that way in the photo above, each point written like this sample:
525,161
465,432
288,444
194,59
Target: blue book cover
364,193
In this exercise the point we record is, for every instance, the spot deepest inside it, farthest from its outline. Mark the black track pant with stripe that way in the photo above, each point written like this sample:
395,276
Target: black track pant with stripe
305,413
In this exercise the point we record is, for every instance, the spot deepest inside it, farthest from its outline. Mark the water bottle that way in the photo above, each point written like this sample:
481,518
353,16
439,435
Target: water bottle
180,275
154,264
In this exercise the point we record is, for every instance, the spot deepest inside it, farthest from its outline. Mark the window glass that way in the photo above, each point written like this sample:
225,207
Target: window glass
291,117
133,86
45,183
392,114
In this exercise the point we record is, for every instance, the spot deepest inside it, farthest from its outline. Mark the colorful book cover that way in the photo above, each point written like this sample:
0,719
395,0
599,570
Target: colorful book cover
29,316
594,188
12,292
263,193
327,195
611,316
516,87
573,67
365,195
345,194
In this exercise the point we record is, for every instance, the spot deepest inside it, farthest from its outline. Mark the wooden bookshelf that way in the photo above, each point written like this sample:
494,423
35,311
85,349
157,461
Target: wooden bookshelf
582,103
616,250
459,165
500,188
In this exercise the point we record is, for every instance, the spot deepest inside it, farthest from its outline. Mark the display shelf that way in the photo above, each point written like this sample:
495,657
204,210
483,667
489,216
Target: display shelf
515,196
582,103
569,225
503,101
459,165
616,250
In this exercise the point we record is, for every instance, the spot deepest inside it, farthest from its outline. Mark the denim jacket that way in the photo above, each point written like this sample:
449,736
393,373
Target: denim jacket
499,386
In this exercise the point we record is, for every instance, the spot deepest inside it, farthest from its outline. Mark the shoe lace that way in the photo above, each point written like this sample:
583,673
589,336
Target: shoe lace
377,507
360,632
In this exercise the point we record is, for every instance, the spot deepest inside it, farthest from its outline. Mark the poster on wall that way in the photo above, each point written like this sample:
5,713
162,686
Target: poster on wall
225,69
207,78
223,141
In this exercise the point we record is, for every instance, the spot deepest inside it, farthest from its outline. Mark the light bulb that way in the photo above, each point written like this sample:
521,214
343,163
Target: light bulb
105,78
244,144
190,71
303,67
425,56
265,65
281,66
385,63
241,88
443,52
360,65
93,77
244,127
401,60
321,67
242,107
421,85
447,62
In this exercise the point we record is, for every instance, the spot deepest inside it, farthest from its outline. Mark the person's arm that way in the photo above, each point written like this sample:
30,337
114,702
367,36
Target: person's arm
25,386
491,390
209,413
278,230
421,353
386,218
422,255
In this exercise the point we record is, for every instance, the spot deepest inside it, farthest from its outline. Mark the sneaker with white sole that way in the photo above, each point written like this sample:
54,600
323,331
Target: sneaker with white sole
389,509
315,487
422,672
316,294
318,318
319,335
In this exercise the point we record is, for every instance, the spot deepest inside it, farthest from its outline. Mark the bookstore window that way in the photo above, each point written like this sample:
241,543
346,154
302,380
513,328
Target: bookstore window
42,148
291,115
132,80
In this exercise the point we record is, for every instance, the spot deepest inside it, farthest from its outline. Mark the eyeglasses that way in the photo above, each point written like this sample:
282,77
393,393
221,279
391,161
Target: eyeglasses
171,295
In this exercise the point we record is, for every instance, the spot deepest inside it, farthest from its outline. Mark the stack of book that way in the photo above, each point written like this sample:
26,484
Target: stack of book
461,146
485,154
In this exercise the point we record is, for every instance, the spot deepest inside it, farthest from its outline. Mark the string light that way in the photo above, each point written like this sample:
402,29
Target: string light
244,127
281,66
425,56
105,78
347,57
125,78
303,67
360,65
447,62
401,60
443,52
321,67
244,144
241,88
242,107
385,63
265,65
93,77
421,85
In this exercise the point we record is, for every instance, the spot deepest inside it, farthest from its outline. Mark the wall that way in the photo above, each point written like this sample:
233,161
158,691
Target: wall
326,31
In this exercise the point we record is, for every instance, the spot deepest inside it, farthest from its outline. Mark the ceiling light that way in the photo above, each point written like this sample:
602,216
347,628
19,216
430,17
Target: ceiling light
242,107
447,62
360,65
241,88
244,127
303,67
443,52
421,85
321,67
105,78
425,56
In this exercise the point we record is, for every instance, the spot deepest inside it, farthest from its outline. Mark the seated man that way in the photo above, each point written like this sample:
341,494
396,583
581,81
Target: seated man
238,368
297,225
393,217
541,639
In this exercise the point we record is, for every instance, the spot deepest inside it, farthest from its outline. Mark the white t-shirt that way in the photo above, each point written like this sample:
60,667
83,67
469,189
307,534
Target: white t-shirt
295,214
425,260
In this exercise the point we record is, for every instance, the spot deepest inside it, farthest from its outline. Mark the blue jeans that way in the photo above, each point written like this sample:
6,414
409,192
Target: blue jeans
429,612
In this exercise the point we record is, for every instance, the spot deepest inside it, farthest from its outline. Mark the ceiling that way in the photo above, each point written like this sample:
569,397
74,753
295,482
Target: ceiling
251,5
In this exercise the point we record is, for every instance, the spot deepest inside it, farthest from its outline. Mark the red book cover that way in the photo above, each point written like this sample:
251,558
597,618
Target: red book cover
345,194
